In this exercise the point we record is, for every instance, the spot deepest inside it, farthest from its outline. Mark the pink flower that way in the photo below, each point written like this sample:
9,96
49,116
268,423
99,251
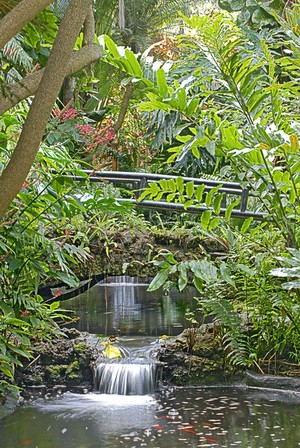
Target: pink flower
56,112
84,129
69,114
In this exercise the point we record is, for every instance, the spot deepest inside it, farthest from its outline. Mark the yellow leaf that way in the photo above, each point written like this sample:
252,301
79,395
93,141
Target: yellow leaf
112,352
294,143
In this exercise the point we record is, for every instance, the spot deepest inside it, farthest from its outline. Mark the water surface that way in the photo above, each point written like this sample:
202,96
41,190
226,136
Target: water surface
122,305
195,417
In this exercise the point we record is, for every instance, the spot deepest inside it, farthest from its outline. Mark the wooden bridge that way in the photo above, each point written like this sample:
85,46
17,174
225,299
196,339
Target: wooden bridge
138,181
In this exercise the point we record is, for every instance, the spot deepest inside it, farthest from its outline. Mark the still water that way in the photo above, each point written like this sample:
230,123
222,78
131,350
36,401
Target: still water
194,417
172,418
122,305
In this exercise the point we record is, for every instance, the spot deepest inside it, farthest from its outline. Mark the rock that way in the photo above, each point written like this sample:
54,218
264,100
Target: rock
60,364
194,357
272,381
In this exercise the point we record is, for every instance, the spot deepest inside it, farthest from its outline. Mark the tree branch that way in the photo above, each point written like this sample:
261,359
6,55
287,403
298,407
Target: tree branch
23,156
16,92
89,26
18,17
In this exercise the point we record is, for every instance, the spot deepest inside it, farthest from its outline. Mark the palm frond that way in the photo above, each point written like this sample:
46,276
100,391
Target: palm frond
17,56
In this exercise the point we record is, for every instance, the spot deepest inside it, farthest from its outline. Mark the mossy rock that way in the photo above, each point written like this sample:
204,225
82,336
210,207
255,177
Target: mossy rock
67,361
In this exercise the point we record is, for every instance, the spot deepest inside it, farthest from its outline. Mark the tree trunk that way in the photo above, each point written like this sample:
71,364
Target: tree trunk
32,133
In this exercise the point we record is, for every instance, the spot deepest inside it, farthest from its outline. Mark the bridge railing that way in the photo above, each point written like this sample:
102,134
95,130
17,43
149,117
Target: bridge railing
139,181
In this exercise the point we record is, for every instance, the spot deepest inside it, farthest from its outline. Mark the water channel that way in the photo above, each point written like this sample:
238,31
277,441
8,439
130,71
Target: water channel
220,416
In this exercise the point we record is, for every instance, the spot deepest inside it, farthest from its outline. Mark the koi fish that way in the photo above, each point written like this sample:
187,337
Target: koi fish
211,440
191,431
26,442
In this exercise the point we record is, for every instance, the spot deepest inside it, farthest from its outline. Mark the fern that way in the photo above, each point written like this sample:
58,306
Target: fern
234,339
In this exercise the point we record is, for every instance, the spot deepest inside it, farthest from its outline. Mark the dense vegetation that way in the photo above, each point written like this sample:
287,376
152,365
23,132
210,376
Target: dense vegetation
212,94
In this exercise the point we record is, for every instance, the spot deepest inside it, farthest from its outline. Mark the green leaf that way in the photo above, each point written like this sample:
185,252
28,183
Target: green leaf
217,203
15,264
180,184
230,208
136,68
7,370
189,188
54,306
160,279
171,197
246,224
199,192
192,106
198,283
183,278
111,46
181,95
226,274
291,285
205,218
246,269
187,204
195,151
213,223
161,82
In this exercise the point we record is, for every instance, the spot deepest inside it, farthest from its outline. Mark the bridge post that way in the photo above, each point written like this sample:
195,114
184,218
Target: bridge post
140,186
244,199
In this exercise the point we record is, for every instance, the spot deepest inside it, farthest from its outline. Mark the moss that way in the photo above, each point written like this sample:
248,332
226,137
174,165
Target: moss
80,348
73,370
55,372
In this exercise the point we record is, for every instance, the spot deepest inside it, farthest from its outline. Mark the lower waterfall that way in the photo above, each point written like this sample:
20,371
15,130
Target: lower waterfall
124,378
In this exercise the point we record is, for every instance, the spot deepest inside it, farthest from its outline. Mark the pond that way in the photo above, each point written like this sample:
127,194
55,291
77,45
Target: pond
195,417
220,416
122,305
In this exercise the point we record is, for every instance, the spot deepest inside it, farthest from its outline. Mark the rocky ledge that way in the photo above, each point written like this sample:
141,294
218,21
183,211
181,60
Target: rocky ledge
195,357
64,363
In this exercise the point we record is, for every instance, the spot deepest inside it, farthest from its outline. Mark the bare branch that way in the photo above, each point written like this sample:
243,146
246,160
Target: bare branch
16,92
89,26
18,17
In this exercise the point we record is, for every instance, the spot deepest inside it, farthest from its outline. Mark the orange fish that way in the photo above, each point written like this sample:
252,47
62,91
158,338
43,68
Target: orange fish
191,431
158,427
26,442
211,440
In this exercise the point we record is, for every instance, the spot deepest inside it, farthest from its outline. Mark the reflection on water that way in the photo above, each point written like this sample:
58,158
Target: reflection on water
194,417
122,305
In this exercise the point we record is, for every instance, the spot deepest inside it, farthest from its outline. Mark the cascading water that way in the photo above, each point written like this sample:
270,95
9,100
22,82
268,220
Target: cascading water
136,373
126,378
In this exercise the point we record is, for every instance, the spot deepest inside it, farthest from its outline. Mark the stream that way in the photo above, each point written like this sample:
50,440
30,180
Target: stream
127,408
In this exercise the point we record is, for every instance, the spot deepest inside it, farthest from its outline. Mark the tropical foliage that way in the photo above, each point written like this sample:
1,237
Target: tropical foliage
236,99
220,100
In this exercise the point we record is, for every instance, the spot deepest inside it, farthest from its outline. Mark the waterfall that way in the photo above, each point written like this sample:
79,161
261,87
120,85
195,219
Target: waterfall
126,280
124,378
